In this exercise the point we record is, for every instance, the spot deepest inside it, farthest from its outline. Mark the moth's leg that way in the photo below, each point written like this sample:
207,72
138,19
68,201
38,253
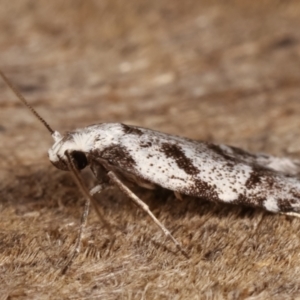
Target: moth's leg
294,214
89,199
97,189
178,196
77,247
144,207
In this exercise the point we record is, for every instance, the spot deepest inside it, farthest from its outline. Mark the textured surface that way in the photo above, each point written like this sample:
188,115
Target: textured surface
215,72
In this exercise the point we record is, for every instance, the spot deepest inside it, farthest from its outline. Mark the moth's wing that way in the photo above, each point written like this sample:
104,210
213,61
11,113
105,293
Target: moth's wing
284,165
217,173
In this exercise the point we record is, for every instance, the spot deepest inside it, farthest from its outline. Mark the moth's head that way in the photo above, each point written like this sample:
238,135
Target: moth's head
71,143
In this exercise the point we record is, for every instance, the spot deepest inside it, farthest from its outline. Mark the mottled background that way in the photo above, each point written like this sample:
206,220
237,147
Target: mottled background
223,71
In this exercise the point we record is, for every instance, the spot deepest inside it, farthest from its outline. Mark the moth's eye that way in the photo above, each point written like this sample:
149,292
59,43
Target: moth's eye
79,159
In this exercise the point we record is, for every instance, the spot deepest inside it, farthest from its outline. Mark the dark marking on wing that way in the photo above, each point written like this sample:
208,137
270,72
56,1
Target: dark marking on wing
295,193
218,150
259,175
118,156
201,188
249,201
145,144
242,153
175,152
285,205
131,130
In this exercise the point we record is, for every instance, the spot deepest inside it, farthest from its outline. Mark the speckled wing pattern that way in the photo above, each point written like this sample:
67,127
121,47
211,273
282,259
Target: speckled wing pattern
215,172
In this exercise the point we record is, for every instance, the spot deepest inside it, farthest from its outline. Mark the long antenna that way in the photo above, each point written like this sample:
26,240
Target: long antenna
22,99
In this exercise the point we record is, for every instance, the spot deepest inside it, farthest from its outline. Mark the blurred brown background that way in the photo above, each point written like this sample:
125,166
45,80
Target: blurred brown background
223,71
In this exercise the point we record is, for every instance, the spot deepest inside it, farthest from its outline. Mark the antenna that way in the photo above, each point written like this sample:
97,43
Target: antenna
22,99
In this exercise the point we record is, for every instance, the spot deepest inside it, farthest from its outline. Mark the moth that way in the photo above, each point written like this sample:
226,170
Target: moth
119,153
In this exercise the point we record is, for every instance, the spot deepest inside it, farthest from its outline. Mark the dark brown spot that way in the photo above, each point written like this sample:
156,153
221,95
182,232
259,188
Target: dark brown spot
241,152
249,201
131,130
118,156
183,162
175,177
218,150
202,189
258,175
285,205
295,194
145,144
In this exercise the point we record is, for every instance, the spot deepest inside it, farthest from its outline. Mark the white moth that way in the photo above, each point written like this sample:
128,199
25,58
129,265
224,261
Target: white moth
119,153
187,167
